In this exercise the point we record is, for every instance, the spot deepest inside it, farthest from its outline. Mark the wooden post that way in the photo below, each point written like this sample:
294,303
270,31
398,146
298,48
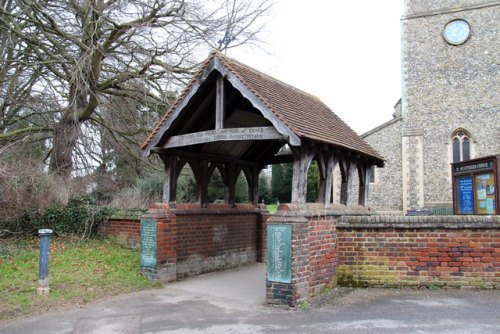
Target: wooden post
219,103
302,158
253,188
252,175
231,176
344,172
326,163
350,177
364,172
171,173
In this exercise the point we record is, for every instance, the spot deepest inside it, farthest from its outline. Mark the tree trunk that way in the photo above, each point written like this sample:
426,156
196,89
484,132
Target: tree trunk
65,137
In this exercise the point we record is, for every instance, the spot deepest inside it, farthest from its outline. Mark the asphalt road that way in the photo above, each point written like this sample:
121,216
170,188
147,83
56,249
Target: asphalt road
232,302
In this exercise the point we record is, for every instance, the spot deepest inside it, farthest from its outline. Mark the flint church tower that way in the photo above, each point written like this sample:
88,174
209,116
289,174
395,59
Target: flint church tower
450,102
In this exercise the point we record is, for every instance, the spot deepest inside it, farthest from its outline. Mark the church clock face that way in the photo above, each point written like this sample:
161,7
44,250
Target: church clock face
456,32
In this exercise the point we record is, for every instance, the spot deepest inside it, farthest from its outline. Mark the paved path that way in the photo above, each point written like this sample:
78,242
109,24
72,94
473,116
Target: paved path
232,302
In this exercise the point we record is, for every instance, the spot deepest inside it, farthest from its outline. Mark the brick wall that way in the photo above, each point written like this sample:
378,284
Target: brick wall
456,251
215,238
193,240
322,253
314,250
123,229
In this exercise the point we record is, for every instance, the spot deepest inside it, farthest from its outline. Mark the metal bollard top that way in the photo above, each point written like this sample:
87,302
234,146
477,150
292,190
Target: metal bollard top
44,231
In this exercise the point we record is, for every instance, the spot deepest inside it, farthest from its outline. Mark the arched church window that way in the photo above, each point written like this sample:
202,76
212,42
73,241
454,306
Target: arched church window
456,149
461,145
465,149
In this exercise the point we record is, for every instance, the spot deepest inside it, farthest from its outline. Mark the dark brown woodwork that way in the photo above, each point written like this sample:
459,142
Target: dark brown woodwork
197,118
252,176
171,173
201,174
221,123
280,159
209,157
364,171
230,178
220,104
344,173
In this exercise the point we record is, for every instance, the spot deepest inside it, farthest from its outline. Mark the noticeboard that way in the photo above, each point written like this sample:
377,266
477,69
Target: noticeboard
148,243
475,186
279,253
465,195
485,193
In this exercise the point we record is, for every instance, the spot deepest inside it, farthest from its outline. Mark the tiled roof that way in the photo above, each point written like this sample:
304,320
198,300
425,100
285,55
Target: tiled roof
301,112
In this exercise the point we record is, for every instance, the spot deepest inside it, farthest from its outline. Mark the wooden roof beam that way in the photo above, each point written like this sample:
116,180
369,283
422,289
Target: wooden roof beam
232,134
206,156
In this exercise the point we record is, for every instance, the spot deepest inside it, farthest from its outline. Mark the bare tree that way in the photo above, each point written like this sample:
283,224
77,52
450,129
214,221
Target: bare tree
66,62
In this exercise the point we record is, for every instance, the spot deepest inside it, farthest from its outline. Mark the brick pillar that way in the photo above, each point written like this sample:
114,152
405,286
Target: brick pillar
297,289
262,235
165,266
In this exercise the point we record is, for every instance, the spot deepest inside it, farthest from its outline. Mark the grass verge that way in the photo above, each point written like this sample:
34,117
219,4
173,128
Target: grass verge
80,271
272,208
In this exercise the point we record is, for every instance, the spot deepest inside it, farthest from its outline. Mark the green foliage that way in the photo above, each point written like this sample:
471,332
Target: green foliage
305,305
265,191
241,189
312,182
215,187
272,208
281,182
81,216
186,186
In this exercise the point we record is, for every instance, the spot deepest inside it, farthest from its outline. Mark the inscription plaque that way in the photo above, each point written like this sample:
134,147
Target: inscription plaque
279,253
148,243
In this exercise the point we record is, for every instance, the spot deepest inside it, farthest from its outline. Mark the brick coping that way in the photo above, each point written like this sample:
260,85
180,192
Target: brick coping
419,222
214,209
319,209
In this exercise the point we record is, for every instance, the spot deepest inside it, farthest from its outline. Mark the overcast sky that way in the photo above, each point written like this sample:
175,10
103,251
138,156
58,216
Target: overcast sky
347,53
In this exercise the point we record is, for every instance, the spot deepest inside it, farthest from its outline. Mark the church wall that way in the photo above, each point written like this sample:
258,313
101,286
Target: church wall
449,87
414,7
385,194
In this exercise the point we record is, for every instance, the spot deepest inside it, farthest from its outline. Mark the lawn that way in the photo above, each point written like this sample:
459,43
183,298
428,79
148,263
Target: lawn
272,208
80,271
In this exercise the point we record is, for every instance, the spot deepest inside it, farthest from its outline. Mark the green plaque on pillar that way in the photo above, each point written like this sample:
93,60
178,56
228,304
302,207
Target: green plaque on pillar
279,253
148,243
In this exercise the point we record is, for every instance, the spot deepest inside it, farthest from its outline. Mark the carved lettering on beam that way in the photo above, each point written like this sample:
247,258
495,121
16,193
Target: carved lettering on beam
202,137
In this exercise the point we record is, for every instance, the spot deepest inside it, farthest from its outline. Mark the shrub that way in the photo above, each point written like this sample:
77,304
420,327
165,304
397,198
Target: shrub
80,216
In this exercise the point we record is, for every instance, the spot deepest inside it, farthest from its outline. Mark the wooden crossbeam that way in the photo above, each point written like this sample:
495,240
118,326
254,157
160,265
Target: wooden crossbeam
207,156
202,137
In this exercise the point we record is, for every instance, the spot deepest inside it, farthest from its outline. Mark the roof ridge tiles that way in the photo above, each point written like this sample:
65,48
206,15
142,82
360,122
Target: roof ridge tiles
253,69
